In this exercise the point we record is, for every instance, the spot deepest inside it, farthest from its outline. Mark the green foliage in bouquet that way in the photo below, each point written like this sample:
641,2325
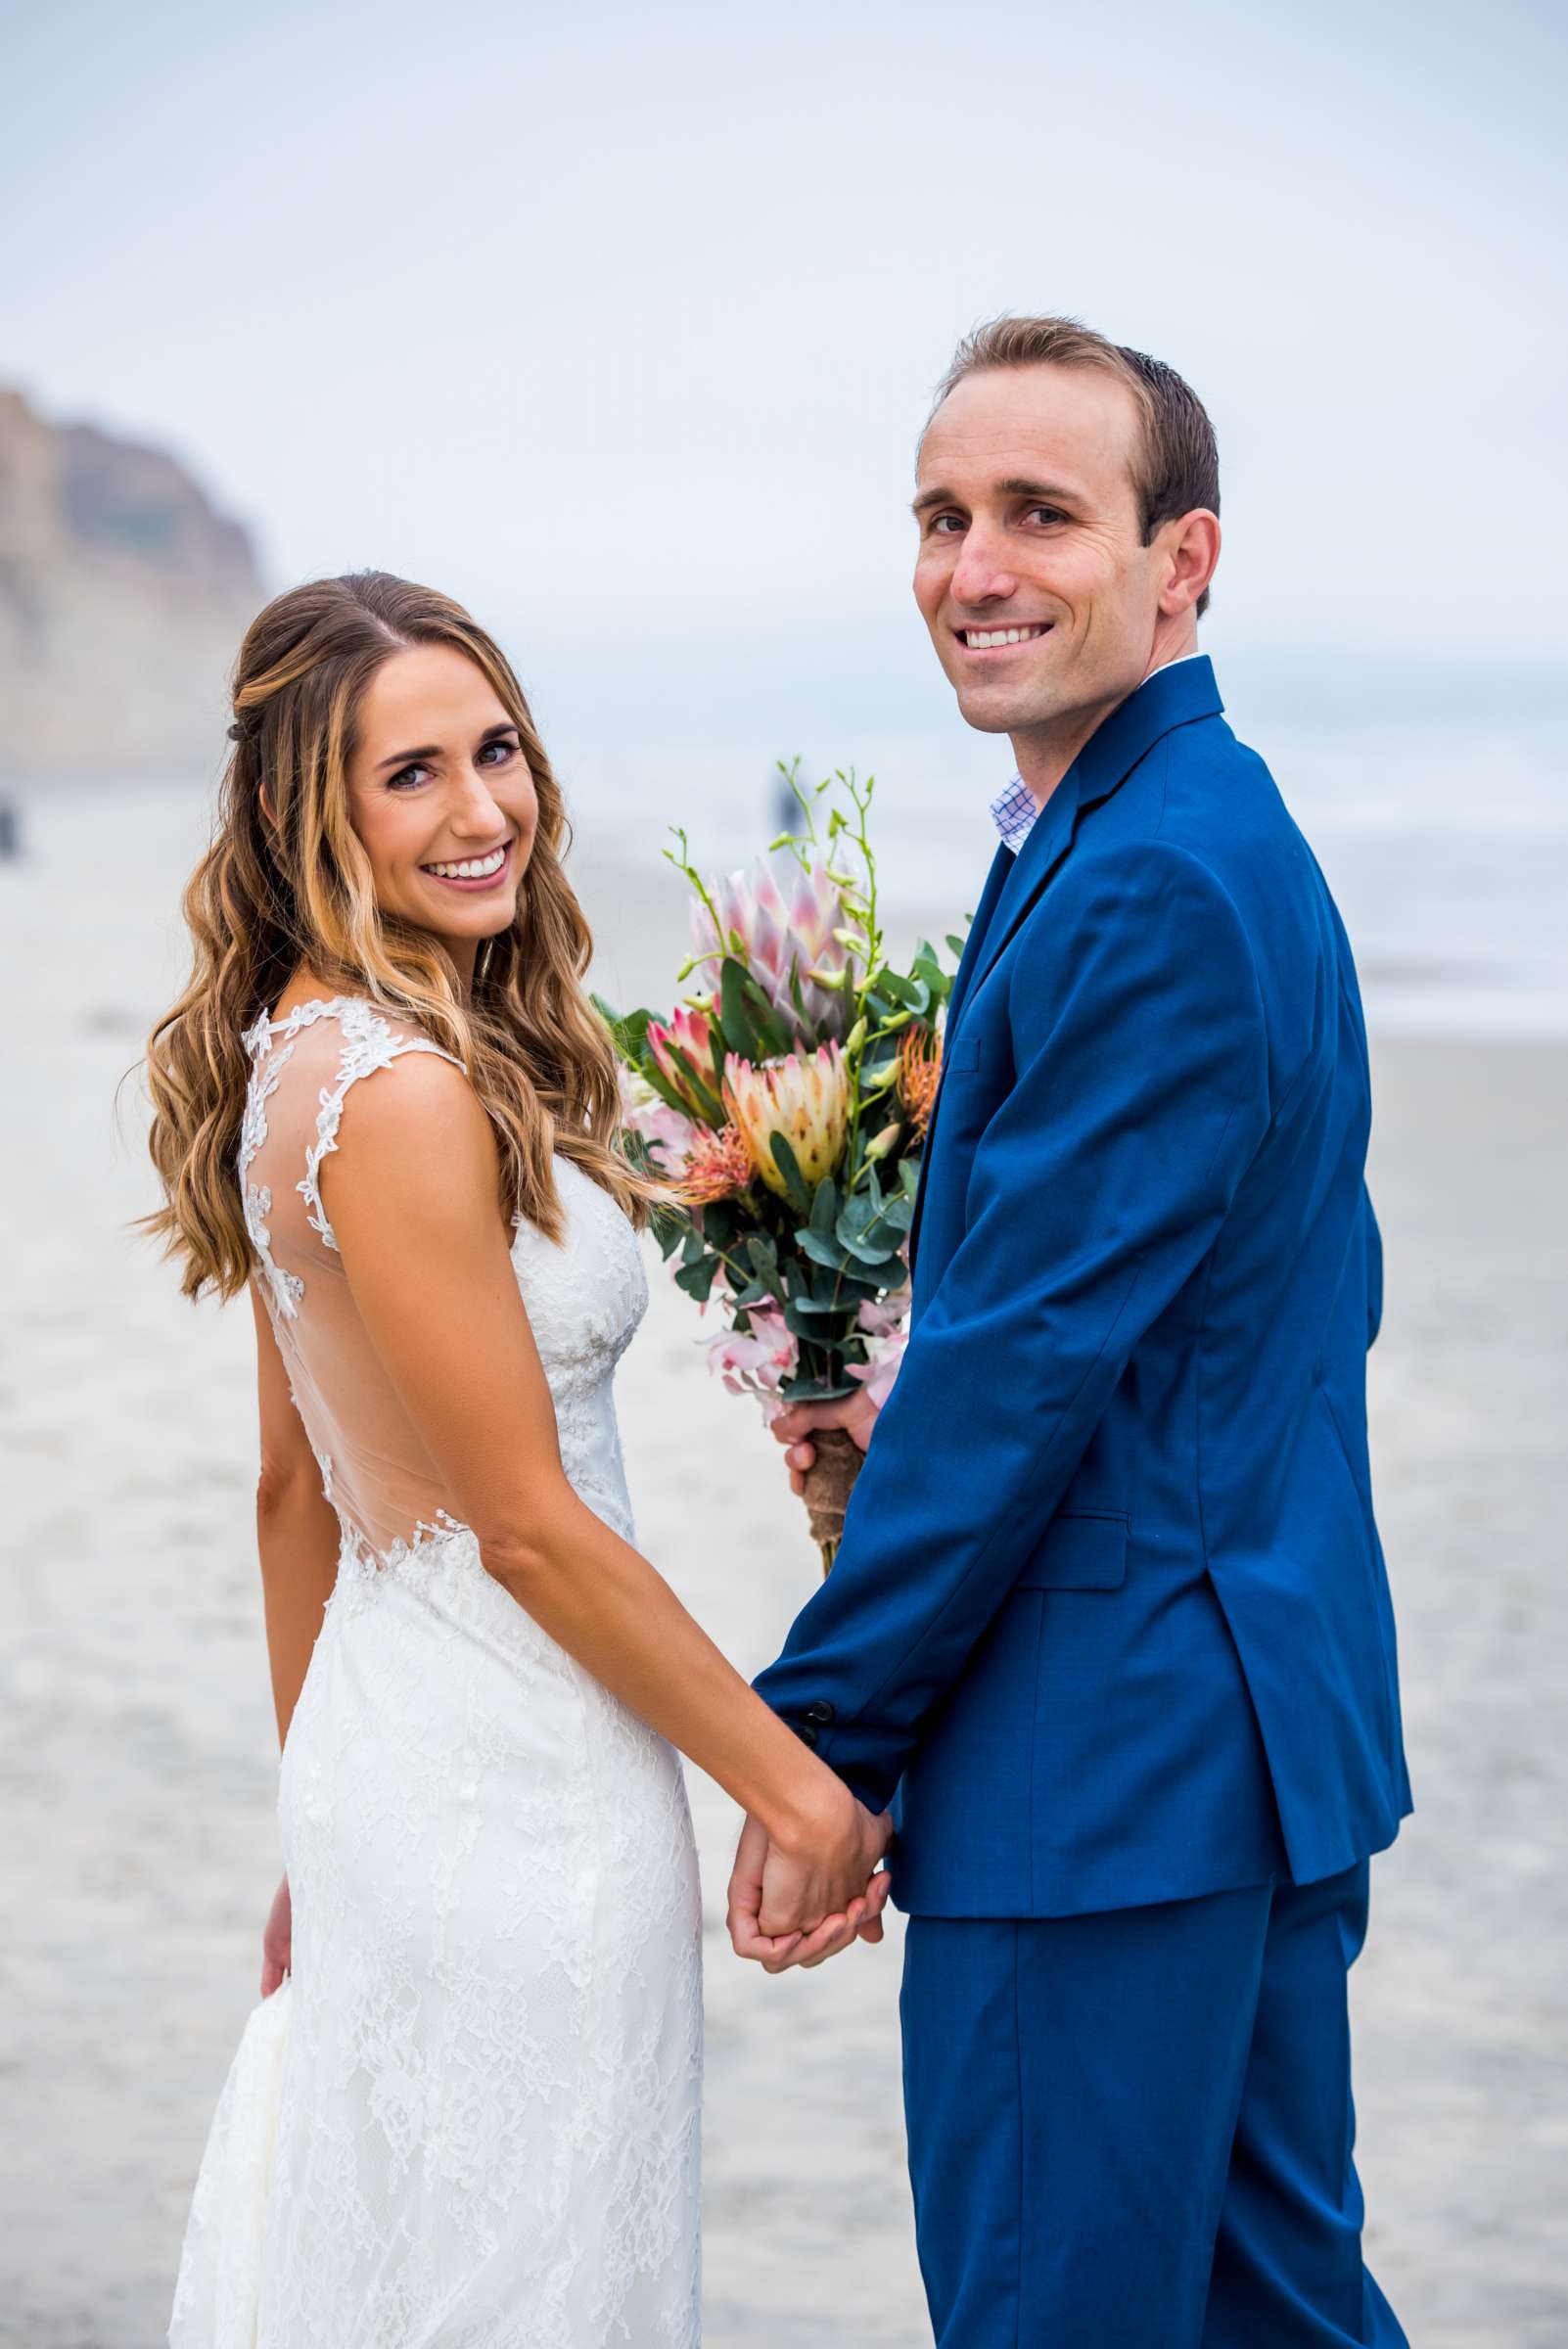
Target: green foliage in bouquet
786,1101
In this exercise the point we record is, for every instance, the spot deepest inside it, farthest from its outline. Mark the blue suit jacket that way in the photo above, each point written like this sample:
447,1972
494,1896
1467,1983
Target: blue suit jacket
1111,1603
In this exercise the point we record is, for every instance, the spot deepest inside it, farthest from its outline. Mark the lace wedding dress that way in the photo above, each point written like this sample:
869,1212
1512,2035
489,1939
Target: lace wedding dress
470,2119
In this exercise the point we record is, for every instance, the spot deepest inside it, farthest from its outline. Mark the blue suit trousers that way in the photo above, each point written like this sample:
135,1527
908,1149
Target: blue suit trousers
1133,2128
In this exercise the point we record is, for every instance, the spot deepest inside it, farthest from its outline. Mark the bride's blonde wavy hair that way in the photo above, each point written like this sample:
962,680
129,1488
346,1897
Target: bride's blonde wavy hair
286,886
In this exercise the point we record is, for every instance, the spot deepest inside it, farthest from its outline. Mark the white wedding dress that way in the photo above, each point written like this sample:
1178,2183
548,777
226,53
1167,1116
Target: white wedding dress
470,2120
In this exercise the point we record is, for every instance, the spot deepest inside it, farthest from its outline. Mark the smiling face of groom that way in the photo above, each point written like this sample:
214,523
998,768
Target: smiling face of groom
1044,604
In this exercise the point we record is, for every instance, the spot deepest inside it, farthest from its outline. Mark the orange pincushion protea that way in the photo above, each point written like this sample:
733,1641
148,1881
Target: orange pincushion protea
718,1166
919,1069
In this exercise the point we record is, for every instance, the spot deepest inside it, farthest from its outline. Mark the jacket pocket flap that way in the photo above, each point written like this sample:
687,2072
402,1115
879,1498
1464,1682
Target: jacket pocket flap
1078,1554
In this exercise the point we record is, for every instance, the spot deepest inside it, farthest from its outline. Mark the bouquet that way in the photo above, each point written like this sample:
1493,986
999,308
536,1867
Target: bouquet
784,1103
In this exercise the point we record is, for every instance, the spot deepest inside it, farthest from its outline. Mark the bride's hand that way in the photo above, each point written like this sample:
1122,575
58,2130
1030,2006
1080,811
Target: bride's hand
277,1940
798,1901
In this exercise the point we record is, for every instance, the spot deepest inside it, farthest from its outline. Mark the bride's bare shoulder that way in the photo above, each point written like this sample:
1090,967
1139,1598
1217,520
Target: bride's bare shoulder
417,1102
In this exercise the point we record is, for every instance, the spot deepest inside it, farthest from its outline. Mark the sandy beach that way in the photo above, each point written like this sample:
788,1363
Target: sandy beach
139,1753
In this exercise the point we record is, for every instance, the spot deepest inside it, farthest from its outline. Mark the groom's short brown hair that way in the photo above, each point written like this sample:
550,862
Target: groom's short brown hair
1179,464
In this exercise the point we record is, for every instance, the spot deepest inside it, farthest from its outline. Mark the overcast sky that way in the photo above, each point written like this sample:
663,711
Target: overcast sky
620,324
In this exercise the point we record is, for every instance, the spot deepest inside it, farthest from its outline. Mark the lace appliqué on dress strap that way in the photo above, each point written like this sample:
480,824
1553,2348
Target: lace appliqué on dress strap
368,1045
284,1289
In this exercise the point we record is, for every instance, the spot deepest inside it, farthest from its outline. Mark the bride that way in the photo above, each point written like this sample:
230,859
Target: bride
470,2118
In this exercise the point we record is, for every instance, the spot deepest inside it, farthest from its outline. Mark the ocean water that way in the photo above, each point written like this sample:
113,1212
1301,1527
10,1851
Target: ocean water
1447,848
1447,851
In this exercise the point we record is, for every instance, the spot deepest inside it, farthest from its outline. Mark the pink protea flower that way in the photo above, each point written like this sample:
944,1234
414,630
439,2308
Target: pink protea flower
695,1035
785,920
718,1166
804,1098
758,1363
666,1136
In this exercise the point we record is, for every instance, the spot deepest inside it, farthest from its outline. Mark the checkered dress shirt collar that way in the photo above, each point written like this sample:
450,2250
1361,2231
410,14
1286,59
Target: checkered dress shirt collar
1014,815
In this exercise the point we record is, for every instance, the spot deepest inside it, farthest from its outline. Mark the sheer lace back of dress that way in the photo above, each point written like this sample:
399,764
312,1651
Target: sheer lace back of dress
584,1298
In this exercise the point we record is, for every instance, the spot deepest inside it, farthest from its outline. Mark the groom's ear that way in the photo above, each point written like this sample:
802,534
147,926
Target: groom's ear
1190,544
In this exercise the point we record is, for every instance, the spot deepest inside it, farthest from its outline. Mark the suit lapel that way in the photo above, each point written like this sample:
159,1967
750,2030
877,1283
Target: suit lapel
995,885
1172,697
996,888
1010,888
1033,866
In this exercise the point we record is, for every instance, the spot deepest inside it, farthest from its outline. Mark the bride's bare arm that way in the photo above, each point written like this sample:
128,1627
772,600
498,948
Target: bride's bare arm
297,1532
411,1195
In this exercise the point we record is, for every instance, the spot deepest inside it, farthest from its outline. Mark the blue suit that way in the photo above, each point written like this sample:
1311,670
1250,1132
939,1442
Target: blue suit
1110,1619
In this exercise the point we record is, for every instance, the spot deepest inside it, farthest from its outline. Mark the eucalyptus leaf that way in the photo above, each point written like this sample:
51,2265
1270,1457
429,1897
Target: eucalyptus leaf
819,1250
698,1279
719,1225
872,1253
762,1256
798,1319
854,1218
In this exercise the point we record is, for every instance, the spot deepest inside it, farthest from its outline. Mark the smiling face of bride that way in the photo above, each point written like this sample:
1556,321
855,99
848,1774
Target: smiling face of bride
388,810
440,799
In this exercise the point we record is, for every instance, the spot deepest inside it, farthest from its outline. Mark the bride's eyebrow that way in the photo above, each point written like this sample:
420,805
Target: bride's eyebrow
429,750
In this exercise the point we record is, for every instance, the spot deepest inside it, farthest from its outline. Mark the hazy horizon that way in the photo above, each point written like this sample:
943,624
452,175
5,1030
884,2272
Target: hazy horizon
630,329
623,335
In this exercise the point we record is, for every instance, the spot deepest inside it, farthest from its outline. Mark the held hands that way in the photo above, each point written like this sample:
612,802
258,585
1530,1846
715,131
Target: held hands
800,1903
856,1413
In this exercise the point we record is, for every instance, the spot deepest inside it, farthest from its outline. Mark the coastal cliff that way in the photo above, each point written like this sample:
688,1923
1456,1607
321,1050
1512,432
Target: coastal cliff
124,596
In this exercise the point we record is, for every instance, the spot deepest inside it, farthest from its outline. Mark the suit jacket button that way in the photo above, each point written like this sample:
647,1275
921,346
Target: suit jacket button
805,1731
822,1711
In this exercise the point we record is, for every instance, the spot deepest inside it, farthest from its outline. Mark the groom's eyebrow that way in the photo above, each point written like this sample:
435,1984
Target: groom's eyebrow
1014,485
1045,493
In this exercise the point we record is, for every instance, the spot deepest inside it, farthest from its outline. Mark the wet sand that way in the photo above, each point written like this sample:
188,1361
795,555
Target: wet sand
138,1744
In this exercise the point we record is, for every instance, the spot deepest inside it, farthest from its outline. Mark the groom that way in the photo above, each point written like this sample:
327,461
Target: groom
1110,1620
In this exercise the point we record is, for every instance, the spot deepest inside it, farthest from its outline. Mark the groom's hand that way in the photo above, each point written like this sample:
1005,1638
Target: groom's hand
856,1413
783,1889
